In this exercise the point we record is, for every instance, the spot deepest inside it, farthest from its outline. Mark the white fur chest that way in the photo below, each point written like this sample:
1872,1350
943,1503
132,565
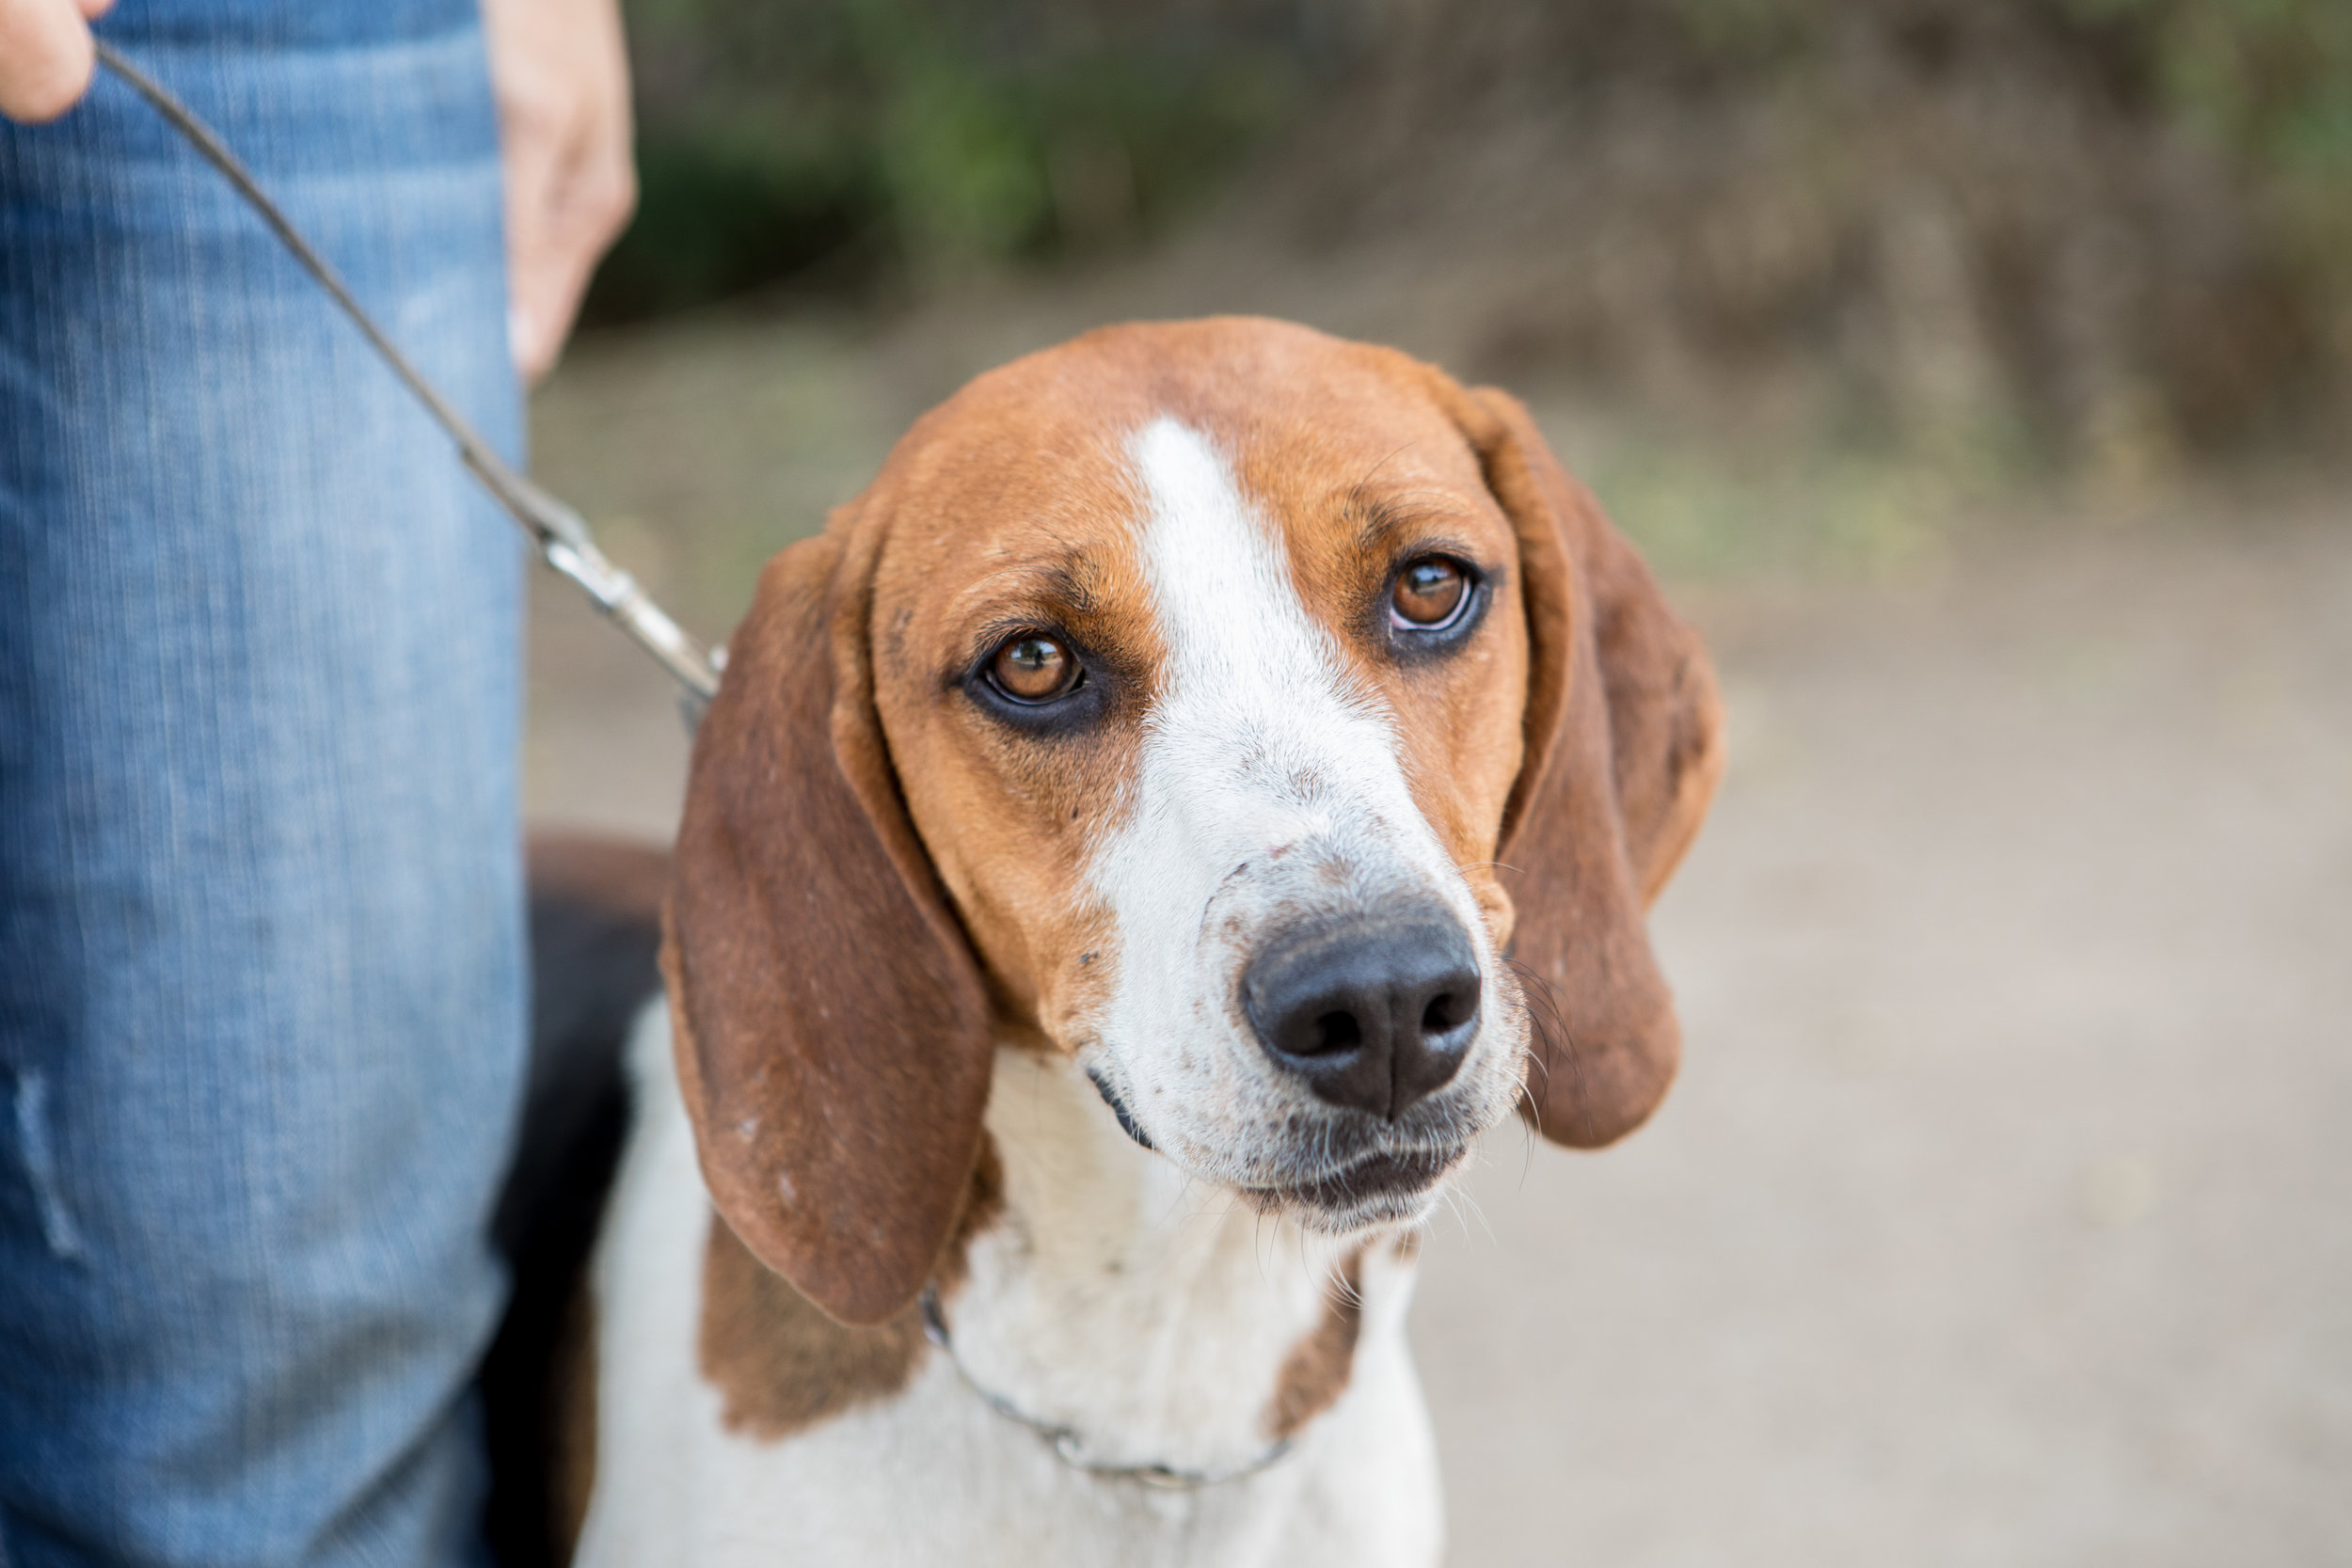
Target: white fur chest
1152,1316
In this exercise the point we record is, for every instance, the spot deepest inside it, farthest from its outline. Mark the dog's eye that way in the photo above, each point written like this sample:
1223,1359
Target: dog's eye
1033,668
1428,594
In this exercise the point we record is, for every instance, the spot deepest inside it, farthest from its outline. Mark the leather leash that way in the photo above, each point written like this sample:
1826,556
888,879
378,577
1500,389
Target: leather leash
558,531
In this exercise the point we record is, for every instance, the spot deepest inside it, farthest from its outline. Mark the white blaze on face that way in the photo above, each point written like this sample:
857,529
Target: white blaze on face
1269,791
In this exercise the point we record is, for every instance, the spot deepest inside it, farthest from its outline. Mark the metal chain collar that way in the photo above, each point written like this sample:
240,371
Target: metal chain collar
1066,1442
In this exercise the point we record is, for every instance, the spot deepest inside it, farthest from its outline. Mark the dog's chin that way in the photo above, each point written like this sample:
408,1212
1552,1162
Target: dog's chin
1382,1188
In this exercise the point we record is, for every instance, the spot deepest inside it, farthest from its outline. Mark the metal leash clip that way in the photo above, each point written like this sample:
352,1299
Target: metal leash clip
558,530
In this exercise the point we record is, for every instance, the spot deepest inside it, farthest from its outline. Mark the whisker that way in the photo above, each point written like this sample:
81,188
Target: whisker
1551,1036
1484,1223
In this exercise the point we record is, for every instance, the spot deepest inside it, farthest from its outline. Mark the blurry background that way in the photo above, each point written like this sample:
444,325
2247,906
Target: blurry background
1979,372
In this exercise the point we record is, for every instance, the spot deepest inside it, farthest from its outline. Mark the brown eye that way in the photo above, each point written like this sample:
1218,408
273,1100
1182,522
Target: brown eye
1428,591
1033,668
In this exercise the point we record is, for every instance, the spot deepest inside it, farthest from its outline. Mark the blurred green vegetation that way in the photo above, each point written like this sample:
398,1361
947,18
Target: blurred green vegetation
1994,237
862,136
856,144
2270,80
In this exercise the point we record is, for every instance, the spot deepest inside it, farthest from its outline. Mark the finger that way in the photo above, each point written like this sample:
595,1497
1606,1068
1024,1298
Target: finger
528,177
588,203
549,298
46,58
93,10
544,322
537,287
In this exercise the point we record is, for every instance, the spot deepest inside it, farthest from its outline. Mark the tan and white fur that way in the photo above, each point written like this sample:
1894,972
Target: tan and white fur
966,988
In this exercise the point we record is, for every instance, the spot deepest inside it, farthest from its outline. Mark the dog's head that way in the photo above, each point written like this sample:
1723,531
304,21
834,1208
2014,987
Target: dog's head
1262,721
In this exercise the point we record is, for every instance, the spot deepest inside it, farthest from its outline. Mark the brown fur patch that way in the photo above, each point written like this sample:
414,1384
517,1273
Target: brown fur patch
780,1364
572,1425
1316,1373
777,1361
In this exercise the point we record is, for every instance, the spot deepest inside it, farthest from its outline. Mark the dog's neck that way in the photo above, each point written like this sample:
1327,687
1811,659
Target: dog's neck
1161,1320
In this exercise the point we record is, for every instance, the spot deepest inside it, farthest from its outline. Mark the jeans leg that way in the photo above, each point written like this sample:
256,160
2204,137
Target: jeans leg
261,983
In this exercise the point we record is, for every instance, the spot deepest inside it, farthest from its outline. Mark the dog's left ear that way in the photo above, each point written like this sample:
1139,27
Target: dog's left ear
1623,743
831,1027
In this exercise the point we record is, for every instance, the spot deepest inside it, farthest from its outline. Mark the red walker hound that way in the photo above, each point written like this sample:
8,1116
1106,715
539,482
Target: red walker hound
1209,777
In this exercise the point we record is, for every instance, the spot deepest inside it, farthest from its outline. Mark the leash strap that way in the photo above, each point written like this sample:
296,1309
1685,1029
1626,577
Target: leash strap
559,533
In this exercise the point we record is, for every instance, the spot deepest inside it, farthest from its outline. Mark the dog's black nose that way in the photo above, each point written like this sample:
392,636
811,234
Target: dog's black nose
1373,1011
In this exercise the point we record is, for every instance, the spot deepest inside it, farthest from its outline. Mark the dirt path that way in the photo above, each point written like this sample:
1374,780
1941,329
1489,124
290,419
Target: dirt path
2002,1214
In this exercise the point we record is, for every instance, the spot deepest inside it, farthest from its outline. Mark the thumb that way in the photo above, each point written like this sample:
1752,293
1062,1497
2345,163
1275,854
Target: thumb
46,58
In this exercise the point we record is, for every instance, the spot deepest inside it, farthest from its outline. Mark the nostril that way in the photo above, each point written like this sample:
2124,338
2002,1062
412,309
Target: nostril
1373,1013
1337,1032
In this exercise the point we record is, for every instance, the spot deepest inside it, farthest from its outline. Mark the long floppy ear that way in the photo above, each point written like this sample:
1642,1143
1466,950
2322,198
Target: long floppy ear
1624,747
831,1027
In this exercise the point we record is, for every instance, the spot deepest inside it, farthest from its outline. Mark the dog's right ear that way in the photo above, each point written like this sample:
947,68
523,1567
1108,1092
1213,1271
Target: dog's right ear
830,1022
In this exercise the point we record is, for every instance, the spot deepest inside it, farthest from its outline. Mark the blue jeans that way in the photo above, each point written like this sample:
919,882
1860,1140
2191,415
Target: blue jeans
261,974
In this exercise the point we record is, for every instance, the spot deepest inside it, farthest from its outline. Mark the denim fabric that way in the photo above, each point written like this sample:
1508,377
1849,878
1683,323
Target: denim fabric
261,985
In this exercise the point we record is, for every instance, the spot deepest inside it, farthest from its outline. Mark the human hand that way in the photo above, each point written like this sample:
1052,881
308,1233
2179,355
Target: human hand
45,57
559,73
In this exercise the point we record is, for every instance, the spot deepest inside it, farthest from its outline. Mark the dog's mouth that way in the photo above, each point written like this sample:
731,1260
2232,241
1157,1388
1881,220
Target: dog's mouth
1373,1178
1383,1186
